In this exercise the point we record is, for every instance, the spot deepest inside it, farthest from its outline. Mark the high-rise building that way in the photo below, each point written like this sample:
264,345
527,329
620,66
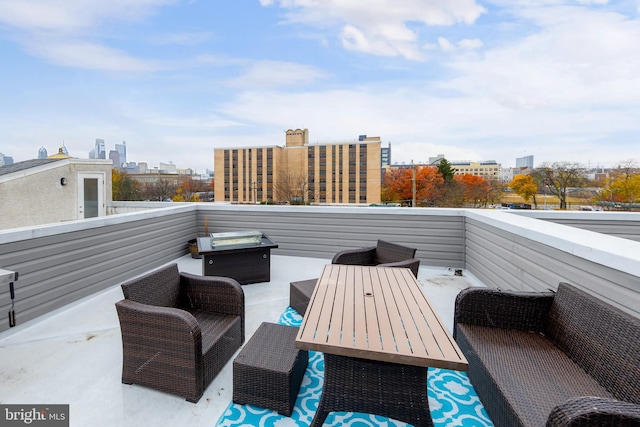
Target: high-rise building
385,156
122,151
42,153
299,172
524,162
99,150
115,158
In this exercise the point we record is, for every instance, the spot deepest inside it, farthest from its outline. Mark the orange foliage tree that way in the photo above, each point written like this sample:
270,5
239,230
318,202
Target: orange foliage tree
475,189
398,185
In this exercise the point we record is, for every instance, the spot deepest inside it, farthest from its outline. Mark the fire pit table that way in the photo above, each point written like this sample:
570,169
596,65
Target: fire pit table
243,256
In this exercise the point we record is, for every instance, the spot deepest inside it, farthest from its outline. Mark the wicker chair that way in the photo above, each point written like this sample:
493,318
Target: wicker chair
384,254
179,330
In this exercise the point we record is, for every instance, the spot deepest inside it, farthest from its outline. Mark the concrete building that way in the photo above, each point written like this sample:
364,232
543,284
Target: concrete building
52,190
114,156
524,162
488,169
5,160
299,172
385,152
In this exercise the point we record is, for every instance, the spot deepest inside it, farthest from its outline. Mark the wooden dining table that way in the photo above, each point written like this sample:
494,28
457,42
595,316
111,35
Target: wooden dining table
379,333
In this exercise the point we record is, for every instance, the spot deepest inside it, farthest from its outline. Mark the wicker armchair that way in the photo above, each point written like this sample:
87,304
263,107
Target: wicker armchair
384,254
179,330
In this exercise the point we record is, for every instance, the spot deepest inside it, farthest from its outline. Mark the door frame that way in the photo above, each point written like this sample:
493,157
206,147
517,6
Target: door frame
100,176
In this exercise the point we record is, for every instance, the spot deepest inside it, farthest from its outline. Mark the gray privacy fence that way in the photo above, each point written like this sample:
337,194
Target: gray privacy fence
62,263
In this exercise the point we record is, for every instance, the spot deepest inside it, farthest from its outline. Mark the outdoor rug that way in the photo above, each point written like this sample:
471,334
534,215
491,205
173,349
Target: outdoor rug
452,400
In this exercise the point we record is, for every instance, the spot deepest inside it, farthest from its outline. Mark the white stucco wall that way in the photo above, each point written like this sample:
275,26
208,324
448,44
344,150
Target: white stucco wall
36,196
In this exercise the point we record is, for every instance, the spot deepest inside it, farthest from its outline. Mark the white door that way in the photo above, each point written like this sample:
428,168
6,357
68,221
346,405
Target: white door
91,202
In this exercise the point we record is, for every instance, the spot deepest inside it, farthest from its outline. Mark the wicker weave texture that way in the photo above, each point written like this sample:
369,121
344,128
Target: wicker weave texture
179,349
269,369
387,389
532,357
384,254
300,294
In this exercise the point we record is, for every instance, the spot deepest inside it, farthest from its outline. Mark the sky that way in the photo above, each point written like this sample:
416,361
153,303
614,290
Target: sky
470,79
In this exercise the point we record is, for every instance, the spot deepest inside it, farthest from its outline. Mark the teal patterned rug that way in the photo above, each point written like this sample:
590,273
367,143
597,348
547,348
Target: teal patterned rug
452,400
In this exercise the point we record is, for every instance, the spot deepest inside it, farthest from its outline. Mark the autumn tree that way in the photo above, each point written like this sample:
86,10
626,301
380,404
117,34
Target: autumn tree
475,189
624,185
560,176
398,185
525,187
123,187
189,187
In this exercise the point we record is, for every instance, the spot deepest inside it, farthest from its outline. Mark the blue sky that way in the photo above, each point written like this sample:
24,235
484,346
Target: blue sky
475,80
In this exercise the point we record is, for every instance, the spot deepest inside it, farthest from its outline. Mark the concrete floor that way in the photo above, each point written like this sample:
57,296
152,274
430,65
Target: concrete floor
74,355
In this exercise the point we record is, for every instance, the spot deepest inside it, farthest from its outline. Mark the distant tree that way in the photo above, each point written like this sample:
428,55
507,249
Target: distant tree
292,188
560,176
161,190
123,187
445,170
475,189
525,187
398,185
189,187
624,184
495,192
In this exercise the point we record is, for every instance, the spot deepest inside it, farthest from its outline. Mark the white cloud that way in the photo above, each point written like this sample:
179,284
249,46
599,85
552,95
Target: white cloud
81,54
72,15
273,74
381,27
470,44
578,59
59,31
445,44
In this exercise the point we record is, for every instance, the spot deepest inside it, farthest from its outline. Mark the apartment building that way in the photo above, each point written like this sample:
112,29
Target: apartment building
489,169
300,172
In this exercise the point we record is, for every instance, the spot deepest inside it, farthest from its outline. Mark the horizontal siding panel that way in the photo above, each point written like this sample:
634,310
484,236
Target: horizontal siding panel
438,239
58,269
510,261
625,230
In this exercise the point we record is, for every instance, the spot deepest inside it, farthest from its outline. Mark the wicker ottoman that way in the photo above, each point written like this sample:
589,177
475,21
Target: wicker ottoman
300,294
269,369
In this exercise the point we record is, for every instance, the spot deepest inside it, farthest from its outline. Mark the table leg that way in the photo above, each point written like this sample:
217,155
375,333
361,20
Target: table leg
387,389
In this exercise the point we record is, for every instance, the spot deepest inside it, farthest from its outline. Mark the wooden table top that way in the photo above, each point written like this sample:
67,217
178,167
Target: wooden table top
377,313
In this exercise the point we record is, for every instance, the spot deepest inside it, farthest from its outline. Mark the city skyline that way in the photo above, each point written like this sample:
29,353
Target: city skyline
479,80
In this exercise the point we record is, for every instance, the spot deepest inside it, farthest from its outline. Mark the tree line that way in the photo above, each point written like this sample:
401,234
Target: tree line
178,189
620,189
438,186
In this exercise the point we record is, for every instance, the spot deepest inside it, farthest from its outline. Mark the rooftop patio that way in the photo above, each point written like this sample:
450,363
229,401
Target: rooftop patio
74,356
66,347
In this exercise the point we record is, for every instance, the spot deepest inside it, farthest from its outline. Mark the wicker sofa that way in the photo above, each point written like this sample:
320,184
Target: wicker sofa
179,330
554,359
